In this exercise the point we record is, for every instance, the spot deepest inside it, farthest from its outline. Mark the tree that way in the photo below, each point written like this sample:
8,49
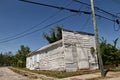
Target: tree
20,57
1,59
18,60
6,59
115,42
110,53
54,35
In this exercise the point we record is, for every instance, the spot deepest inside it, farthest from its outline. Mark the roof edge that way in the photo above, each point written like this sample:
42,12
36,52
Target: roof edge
81,32
45,47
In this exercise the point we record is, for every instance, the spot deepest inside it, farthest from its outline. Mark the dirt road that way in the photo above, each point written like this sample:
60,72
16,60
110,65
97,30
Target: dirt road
7,74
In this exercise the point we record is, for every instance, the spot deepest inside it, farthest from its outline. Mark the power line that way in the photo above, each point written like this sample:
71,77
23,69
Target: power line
51,16
37,29
63,8
31,27
105,17
85,24
72,10
118,23
118,27
56,7
116,20
98,9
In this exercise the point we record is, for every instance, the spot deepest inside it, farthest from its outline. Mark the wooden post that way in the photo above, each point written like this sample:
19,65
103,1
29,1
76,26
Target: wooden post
97,40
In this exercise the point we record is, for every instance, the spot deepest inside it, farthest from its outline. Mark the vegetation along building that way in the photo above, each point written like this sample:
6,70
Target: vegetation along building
74,51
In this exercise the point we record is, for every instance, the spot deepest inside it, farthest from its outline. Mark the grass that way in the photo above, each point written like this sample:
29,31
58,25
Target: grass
115,70
59,74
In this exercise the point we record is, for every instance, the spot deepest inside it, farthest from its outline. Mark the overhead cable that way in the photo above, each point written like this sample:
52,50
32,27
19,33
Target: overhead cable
62,19
71,10
98,9
116,17
57,7
29,29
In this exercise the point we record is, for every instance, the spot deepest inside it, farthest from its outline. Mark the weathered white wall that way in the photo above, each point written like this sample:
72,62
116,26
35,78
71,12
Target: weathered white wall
50,58
69,54
77,50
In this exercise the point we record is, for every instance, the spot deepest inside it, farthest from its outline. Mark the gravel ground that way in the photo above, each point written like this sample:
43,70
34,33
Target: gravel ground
7,74
118,78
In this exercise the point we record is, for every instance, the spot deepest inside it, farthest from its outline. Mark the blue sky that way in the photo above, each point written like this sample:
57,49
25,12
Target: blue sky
17,16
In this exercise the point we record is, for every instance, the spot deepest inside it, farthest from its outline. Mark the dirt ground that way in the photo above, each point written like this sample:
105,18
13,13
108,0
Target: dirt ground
7,74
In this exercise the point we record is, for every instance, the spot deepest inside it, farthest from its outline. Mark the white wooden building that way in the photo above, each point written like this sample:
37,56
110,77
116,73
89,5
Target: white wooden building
70,53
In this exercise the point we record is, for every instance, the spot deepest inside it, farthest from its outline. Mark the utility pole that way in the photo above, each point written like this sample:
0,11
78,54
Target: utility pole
97,40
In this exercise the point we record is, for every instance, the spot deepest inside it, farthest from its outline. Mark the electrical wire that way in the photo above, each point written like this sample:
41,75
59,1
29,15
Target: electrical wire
57,7
85,24
105,17
116,23
85,12
37,29
71,10
51,16
98,9
32,27
118,27
116,20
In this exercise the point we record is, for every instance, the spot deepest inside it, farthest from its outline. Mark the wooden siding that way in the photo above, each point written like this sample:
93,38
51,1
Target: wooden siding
69,54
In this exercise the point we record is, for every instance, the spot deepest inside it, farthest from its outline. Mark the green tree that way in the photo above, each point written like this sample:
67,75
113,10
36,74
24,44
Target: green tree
6,59
1,59
110,53
20,57
115,42
54,35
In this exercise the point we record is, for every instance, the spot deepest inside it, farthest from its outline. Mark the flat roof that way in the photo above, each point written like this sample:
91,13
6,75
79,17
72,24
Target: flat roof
80,32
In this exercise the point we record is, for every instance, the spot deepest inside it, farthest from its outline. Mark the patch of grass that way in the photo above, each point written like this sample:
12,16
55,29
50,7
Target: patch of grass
115,70
23,72
60,74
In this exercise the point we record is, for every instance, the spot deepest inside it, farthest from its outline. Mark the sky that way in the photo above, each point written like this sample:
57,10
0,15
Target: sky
24,23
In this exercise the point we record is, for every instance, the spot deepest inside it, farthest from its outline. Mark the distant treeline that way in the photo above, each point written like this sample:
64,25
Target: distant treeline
110,55
17,59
